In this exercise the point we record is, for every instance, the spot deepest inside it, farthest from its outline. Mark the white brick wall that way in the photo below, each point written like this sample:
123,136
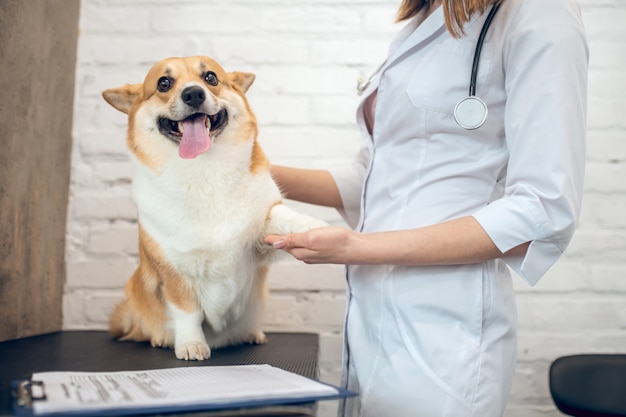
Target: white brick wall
307,56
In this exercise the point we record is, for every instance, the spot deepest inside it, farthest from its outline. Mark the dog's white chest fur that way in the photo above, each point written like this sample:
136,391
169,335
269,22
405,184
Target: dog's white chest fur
203,206
208,215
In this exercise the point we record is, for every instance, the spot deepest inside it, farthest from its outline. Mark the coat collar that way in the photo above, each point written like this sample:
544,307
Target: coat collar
419,30
411,35
414,33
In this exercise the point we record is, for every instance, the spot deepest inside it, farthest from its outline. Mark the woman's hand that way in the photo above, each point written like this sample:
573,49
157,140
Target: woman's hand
459,241
330,245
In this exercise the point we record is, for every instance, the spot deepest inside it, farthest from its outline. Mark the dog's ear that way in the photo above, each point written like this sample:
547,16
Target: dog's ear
242,79
122,98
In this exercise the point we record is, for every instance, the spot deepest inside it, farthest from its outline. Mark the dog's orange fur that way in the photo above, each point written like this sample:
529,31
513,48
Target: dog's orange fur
149,286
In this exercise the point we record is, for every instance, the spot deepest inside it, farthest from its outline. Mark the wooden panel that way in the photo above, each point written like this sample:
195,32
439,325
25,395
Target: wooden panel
38,56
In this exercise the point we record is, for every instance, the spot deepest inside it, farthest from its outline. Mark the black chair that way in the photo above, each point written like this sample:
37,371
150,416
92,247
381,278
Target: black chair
590,385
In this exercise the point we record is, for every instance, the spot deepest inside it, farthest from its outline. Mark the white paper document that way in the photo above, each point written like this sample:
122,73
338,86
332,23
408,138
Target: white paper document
185,386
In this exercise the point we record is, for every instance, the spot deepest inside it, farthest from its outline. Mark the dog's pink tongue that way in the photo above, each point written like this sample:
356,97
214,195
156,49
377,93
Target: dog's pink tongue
196,138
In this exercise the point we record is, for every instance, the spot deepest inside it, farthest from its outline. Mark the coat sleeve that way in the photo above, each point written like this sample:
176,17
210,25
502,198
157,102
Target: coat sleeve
545,63
349,180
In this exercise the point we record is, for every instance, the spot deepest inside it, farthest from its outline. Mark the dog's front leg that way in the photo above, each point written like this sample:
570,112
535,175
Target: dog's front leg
282,220
185,319
189,339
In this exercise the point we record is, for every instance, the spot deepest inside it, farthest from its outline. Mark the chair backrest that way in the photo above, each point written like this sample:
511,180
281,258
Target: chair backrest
591,385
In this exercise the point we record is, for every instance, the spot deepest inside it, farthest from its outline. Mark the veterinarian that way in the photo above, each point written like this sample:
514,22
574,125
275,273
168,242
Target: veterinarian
441,203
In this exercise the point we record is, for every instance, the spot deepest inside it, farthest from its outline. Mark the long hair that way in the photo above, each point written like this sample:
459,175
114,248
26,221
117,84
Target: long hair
456,12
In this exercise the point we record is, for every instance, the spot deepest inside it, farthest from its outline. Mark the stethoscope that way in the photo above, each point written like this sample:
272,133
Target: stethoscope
470,112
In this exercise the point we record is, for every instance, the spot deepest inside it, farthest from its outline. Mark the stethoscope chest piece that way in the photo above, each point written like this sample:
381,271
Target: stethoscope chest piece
470,113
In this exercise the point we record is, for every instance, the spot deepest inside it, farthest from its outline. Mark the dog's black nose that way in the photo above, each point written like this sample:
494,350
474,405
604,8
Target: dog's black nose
193,96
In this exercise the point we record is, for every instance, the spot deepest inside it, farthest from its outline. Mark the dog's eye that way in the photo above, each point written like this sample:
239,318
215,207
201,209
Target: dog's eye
210,78
164,84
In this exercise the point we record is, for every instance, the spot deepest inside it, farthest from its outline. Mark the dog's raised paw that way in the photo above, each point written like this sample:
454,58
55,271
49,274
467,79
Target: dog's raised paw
285,220
316,223
193,351
307,224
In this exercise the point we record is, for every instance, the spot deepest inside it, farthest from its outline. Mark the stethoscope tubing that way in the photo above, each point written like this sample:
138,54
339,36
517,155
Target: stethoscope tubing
479,47
471,112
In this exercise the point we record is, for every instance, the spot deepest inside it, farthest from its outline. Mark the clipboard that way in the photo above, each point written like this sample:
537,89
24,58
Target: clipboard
32,397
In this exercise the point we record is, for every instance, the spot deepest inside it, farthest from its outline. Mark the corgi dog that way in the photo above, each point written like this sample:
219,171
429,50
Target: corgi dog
205,199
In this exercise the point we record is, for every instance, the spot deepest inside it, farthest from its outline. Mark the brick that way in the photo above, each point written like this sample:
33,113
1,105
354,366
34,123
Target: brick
380,20
281,110
604,211
204,18
292,275
95,114
103,144
604,113
602,82
97,17
564,276
607,278
311,142
335,111
327,408
114,204
110,173
580,313
115,49
75,240
369,51
271,49
525,410
596,18
535,346
99,304
305,312
307,19
98,273
119,239
331,349
91,83
598,246
82,174
323,80
73,307
530,383
606,53
589,4
601,178
606,146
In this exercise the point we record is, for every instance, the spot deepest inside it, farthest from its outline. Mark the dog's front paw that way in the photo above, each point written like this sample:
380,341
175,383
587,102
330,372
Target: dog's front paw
257,338
192,351
283,220
315,223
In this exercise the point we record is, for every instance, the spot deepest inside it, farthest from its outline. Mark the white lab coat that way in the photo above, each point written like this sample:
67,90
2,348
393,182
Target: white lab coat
440,341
